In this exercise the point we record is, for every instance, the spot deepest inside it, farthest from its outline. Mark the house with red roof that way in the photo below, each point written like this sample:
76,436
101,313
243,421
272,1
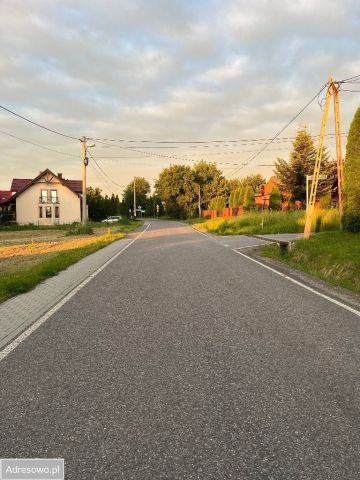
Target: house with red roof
47,199
262,199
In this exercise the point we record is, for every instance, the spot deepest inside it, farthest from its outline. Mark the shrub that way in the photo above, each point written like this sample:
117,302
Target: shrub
79,229
275,199
249,198
351,222
325,201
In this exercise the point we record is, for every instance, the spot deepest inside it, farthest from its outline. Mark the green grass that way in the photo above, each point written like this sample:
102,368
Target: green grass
79,229
29,274
271,222
14,227
331,256
195,220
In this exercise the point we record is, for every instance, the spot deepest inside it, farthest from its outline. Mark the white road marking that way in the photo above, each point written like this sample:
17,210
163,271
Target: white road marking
26,333
252,246
300,284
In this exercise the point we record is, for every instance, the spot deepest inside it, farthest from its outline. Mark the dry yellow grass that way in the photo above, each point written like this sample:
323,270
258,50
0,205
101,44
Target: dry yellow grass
25,249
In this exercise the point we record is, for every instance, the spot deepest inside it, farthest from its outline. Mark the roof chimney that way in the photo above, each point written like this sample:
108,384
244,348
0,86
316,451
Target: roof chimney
60,175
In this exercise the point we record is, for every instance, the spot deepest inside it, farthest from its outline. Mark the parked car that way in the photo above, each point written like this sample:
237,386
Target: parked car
112,219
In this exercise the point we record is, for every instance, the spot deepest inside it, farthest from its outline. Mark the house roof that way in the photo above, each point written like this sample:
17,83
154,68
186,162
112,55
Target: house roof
18,185
5,195
74,185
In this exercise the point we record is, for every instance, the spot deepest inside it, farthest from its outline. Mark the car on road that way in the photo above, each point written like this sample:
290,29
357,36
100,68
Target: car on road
112,219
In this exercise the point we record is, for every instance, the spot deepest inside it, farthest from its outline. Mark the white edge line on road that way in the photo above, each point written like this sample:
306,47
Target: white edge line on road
300,284
26,333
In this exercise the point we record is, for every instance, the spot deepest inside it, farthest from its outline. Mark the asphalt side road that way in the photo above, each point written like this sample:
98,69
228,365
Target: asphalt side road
184,360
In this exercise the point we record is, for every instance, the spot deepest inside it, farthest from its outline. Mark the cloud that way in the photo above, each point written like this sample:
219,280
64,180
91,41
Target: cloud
166,69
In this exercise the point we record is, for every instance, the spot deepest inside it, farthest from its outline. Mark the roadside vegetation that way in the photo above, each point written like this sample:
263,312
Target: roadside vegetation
28,257
331,256
256,222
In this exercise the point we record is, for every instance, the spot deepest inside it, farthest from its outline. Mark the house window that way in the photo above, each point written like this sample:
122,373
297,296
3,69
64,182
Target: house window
40,212
48,212
57,212
54,196
44,196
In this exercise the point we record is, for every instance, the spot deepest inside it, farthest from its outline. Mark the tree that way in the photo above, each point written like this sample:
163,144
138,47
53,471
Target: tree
292,174
241,194
352,176
255,181
217,203
100,207
249,198
211,181
142,189
176,187
275,199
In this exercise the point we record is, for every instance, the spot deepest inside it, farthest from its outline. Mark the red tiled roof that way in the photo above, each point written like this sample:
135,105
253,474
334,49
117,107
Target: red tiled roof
5,195
74,185
19,184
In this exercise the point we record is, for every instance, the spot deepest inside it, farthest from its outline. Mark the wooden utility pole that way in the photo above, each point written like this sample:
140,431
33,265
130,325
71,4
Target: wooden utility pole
339,156
199,200
331,91
134,198
85,162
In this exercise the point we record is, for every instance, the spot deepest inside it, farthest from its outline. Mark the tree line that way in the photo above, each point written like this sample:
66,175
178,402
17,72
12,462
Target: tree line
180,189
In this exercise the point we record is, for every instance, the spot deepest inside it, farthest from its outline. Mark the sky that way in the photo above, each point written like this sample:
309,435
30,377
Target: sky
166,71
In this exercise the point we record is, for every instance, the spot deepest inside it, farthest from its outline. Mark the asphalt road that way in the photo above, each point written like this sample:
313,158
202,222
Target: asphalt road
183,360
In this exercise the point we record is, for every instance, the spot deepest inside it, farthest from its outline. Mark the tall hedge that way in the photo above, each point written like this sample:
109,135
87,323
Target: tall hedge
351,189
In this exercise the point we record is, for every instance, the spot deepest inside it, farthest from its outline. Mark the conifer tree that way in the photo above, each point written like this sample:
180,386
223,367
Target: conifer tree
292,174
249,197
275,199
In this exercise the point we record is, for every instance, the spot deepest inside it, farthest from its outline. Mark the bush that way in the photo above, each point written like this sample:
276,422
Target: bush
79,229
249,198
351,222
325,201
275,199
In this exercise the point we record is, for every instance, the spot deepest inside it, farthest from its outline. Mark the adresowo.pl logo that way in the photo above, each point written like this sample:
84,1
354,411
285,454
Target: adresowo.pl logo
32,469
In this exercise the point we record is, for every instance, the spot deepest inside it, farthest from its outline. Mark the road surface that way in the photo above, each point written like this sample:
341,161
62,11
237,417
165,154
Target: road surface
184,360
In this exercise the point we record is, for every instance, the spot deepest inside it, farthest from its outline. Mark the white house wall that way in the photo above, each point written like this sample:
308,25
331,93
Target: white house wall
27,204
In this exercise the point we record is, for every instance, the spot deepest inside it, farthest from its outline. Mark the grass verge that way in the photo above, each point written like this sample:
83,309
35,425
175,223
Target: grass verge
331,256
29,274
270,222
195,220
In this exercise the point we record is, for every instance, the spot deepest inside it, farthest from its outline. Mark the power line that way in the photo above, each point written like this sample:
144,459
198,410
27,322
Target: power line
252,157
350,79
37,124
194,143
104,173
36,144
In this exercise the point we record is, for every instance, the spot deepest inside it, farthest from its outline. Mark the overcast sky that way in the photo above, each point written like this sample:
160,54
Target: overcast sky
166,70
